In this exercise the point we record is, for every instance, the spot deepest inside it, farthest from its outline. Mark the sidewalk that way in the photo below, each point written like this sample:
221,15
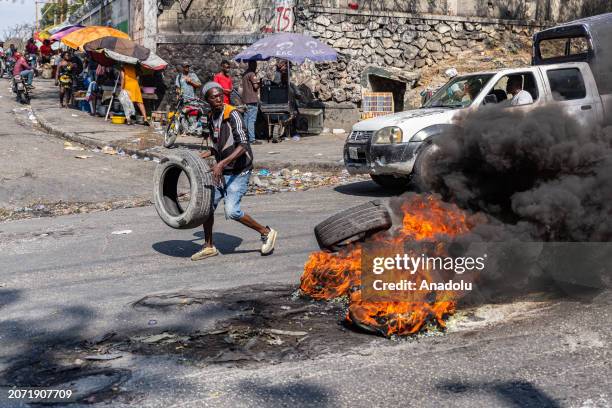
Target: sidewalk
322,152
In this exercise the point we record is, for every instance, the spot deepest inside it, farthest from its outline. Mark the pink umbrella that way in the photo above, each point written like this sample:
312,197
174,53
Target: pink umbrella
60,34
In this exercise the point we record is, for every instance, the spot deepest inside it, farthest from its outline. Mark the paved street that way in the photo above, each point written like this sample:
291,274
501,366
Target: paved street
67,280
34,167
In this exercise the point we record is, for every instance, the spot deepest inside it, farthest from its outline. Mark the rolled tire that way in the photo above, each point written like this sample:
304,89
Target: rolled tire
352,224
165,194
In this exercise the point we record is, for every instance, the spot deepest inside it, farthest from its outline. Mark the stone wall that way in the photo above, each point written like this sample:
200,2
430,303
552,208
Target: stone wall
394,42
205,60
389,45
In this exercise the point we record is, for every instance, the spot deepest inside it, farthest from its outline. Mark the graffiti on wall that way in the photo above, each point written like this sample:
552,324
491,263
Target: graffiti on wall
284,17
229,16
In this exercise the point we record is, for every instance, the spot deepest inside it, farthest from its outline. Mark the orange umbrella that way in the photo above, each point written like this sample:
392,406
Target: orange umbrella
77,39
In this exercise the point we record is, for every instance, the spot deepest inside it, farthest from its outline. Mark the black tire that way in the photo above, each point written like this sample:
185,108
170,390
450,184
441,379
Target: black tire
422,178
165,190
352,224
23,98
393,183
172,131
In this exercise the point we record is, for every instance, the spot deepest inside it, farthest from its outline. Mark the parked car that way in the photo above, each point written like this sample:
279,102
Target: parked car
394,149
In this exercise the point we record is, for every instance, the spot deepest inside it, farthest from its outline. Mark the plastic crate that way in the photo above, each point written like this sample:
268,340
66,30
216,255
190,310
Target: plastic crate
374,104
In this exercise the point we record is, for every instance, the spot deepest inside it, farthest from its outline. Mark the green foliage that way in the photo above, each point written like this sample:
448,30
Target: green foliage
52,12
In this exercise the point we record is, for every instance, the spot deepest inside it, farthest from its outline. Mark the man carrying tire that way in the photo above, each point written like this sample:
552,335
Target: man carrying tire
231,173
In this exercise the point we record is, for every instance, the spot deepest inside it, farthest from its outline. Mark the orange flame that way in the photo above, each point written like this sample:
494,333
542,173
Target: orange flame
331,275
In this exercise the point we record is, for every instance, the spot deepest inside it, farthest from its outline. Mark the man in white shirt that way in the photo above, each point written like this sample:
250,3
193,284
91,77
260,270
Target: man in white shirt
515,88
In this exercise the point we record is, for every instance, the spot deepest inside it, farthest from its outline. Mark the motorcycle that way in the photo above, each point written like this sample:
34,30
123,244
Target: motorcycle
31,59
9,64
189,117
20,88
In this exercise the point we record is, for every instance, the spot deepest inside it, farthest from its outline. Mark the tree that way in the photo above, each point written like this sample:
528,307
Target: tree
58,11
20,32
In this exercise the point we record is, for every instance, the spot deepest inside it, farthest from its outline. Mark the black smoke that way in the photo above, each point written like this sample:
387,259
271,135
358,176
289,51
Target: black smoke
540,172
539,185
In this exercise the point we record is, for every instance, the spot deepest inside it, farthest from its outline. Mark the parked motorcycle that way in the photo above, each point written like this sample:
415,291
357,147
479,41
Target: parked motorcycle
20,88
190,118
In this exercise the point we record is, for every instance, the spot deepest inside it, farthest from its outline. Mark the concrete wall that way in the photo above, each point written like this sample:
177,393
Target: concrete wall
217,16
105,12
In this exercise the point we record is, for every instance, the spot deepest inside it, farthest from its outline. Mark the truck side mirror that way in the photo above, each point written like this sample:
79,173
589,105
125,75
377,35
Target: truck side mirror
491,98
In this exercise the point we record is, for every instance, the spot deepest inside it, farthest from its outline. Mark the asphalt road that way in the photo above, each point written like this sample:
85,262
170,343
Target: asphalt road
68,279
35,167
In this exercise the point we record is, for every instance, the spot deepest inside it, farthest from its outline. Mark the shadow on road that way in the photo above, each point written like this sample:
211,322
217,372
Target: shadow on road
225,243
296,394
8,296
364,189
517,393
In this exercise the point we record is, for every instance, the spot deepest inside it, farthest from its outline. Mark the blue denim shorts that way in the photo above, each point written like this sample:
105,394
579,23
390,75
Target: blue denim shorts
236,185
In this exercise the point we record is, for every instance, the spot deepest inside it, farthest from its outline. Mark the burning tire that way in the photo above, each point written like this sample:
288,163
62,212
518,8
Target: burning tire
352,225
166,195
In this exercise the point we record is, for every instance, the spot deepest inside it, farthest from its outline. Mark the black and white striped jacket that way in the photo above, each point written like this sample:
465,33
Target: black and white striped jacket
232,133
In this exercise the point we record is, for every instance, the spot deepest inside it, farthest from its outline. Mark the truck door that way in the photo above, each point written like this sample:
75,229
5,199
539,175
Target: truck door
576,94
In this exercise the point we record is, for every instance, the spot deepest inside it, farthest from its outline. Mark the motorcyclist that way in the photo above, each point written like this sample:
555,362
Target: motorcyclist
187,82
23,69
10,53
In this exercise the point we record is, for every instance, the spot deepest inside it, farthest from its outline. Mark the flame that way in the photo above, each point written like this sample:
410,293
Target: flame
331,275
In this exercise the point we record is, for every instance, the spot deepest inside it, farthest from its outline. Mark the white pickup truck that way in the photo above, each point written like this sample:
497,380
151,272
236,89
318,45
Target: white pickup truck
394,148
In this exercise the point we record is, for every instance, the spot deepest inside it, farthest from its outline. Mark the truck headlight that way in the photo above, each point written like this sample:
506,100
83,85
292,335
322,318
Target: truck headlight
388,135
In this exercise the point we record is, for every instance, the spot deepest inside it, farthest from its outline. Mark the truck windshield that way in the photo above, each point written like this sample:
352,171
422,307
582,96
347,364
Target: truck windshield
459,92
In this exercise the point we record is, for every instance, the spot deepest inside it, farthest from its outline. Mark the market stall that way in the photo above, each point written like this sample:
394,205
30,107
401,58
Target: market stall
277,99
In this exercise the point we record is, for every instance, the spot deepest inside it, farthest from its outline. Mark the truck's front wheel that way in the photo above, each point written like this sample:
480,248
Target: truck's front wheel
395,183
423,178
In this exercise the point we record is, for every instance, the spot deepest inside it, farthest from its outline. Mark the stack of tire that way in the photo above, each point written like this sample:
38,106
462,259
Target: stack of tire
165,193
351,225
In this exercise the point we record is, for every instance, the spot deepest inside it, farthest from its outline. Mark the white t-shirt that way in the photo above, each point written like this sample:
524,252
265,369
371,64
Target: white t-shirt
521,98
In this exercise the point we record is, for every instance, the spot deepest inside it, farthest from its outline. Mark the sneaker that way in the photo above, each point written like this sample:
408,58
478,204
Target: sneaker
268,242
206,252
256,142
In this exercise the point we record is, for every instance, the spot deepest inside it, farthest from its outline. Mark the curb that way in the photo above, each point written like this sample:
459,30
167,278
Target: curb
94,143
87,141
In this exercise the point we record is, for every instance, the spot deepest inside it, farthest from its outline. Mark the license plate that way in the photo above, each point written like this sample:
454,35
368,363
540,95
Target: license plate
353,153
20,87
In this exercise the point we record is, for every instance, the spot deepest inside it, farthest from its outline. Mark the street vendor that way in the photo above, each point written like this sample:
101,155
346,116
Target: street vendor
45,52
281,75
129,83
232,171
